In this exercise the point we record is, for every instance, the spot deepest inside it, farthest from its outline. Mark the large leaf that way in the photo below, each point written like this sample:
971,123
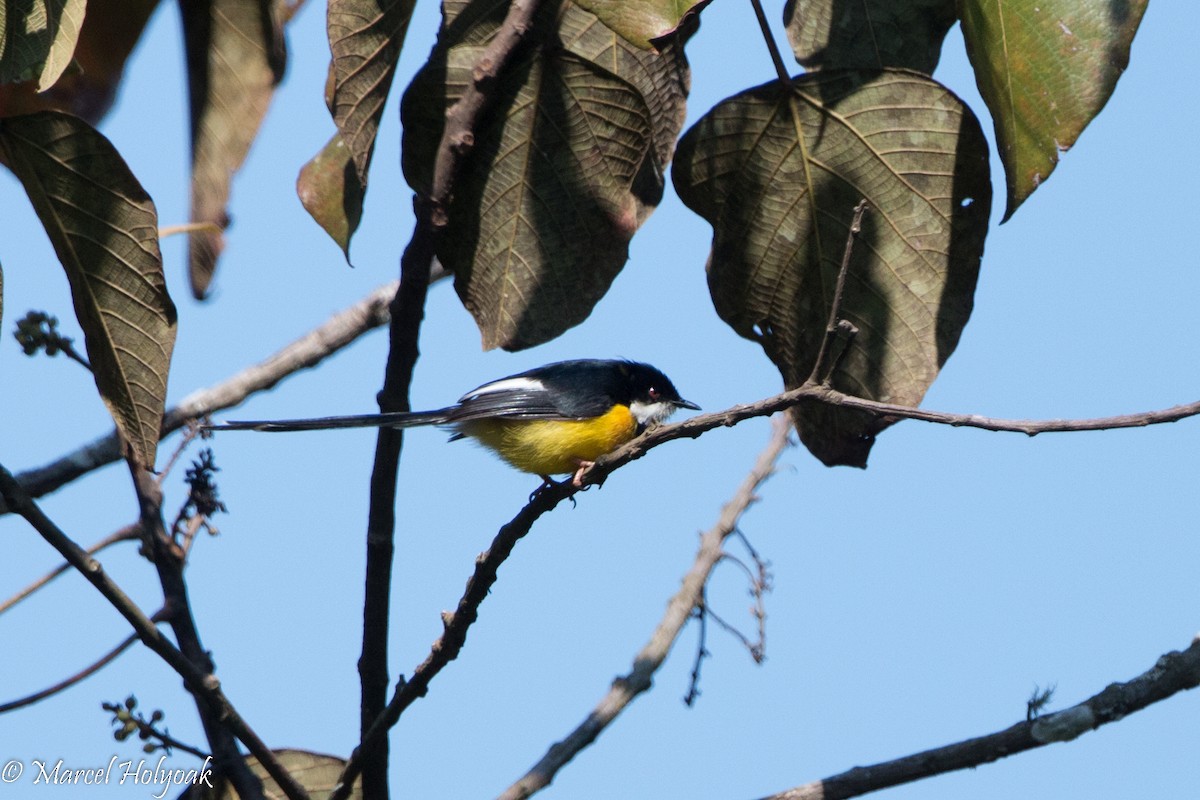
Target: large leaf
567,164
777,171
1045,68
868,34
105,230
641,22
365,37
235,58
110,30
37,39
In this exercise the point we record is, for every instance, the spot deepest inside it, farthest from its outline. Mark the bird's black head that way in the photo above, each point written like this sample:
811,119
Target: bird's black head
652,396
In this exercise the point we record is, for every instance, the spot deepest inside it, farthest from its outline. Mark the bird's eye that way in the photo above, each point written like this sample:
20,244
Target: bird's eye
653,393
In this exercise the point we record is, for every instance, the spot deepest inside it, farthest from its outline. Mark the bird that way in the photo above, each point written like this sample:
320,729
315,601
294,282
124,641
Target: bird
550,420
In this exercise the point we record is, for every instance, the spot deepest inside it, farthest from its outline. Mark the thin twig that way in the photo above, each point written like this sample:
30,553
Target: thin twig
68,682
126,534
826,361
702,652
130,719
776,58
199,682
679,611
190,433
1172,673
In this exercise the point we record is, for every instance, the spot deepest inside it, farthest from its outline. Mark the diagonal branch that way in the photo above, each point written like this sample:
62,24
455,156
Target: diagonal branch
68,682
679,610
201,683
127,534
1172,673
447,646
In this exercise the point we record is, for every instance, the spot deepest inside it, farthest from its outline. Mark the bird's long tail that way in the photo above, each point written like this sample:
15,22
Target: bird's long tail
396,419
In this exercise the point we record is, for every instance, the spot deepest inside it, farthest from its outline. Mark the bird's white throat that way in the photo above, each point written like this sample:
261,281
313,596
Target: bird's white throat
651,413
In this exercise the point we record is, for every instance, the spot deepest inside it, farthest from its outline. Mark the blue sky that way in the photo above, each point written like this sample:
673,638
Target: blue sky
915,603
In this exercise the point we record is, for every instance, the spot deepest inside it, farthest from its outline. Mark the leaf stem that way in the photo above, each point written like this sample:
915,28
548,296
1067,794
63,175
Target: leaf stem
776,58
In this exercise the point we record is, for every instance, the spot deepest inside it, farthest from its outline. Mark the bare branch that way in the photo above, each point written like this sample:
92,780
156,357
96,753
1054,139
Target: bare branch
340,330
408,310
679,610
701,423
126,534
1172,673
68,682
447,646
168,559
201,683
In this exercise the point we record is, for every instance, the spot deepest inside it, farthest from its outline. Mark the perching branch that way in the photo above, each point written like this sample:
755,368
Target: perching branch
679,611
1172,673
199,682
695,426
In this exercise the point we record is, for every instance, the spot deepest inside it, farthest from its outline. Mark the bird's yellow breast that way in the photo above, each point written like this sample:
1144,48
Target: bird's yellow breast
549,447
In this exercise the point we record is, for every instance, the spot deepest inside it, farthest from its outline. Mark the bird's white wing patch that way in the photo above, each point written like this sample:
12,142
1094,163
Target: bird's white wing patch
527,385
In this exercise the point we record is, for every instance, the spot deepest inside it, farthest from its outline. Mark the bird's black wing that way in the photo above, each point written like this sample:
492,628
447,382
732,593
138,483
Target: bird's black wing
522,397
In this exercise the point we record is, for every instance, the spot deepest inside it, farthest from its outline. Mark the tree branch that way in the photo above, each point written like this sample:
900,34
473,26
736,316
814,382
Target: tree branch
126,534
679,611
1172,673
68,682
198,681
340,330
695,426
447,646
168,560
408,309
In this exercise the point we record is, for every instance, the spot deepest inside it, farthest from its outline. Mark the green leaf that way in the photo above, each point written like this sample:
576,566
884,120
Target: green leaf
778,170
641,22
105,230
365,37
330,191
869,34
566,165
235,58
37,39
1045,68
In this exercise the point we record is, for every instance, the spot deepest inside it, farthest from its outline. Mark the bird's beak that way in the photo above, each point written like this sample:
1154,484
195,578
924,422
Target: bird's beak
681,403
